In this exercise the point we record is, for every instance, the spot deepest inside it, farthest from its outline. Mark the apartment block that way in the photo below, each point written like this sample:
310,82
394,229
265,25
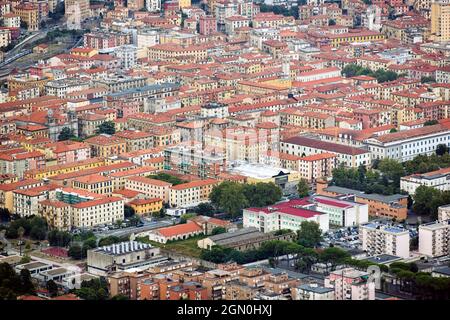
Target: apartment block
151,187
440,20
192,193
350,284
439,179
379,239
434,238
99,211
306,146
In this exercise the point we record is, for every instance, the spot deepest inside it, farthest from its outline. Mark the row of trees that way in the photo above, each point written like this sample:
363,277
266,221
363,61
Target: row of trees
86,241
424,163
107,127
385,176
96,289
232,197
309,236
420,284
34,227
303,257
385,180
292,11
352,70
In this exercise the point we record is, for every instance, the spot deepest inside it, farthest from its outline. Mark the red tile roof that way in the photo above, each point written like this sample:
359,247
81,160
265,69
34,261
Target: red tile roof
97,202
180,229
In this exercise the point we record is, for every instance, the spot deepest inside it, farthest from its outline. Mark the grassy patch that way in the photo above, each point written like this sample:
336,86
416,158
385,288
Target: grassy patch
186,247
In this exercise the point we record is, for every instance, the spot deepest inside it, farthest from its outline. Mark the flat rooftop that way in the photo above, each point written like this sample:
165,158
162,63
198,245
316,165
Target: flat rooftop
383,258
370,196
123,247
258,171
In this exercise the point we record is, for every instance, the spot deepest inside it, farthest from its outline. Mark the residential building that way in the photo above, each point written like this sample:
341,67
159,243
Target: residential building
312,291
305,146
439,179
440,20
378,239
434,238
146,206
105,145
192,193
151,187
350,284
91,213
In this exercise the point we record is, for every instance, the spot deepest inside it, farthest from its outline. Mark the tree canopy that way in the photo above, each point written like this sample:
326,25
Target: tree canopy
352,70
309,235
107,127
303,188
12,284
66,134
95,289
428,199
232,197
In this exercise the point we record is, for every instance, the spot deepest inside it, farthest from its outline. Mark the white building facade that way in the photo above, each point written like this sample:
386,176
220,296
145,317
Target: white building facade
379,239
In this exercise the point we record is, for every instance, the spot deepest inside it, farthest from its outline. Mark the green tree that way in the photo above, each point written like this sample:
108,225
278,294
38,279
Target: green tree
427,79
303,188
25,259
334,256
425,200
331,22
392,170
5,215
162,176
205,209
38,233
441,149
128,211
27,286
66,134
107,241
162,213
95,289
107,127
261,194
59,238
218,230
309,235
52,288
76,252
431,122
229,197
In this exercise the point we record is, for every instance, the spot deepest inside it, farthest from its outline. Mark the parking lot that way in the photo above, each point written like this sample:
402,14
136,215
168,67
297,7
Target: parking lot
349,237
343,237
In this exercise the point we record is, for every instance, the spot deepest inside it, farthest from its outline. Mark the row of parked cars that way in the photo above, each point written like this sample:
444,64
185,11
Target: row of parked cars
347,237
106,227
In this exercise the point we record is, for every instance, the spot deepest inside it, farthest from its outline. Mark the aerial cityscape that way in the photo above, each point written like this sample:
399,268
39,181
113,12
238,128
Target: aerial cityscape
224,150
